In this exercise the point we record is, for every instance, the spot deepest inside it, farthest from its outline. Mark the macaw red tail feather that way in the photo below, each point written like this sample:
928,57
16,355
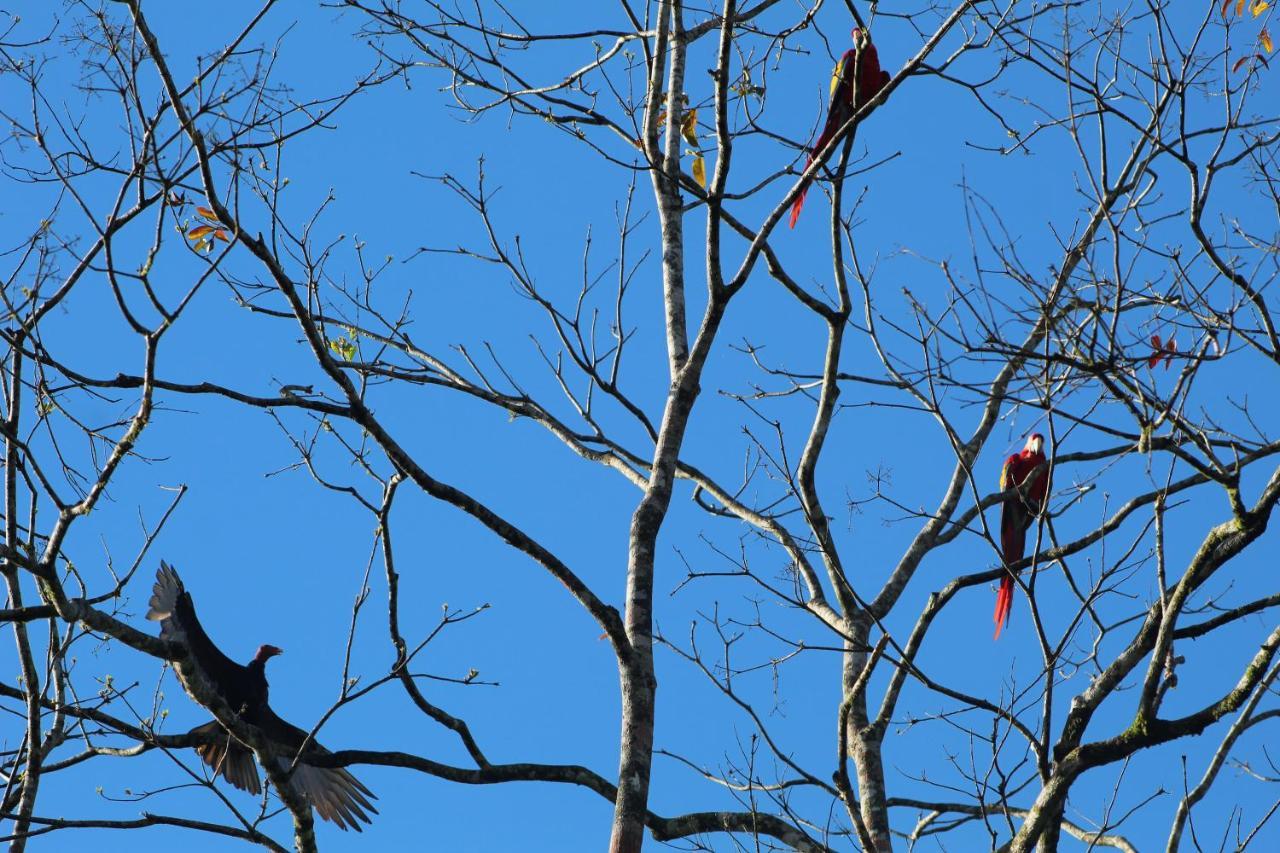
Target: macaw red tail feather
798,204
1004,603
797,207
833,124
1013,541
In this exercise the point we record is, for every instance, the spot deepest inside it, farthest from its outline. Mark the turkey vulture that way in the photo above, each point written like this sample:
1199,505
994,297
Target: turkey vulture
334,793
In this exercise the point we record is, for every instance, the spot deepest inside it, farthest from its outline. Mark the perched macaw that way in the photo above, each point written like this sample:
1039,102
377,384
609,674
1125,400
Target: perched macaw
856,79
1017,514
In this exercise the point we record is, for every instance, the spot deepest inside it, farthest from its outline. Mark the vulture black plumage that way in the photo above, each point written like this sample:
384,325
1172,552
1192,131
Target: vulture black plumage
336,795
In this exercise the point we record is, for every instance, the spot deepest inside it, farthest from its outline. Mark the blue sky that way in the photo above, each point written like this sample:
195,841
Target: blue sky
271,557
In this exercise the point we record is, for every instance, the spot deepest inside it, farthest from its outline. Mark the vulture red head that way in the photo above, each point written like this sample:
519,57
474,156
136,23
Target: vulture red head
267,651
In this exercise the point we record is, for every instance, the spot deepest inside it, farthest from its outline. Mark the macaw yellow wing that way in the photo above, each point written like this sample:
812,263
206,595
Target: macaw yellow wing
836,74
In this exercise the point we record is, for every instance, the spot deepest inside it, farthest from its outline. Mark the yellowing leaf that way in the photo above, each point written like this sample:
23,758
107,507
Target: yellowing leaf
199,231
1239,7
222,235
689,127
1265,38
1258,7
206,213
700,170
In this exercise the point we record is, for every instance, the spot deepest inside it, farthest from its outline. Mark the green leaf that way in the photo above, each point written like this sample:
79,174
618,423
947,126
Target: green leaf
343,348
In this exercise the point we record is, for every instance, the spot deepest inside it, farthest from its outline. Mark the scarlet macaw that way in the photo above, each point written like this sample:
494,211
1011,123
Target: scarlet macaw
1016,515
856,79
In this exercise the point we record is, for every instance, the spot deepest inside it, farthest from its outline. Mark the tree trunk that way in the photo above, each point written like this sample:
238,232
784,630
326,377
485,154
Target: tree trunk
865,743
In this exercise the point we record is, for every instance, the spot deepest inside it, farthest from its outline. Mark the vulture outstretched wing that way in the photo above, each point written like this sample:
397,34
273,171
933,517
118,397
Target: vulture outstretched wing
243,687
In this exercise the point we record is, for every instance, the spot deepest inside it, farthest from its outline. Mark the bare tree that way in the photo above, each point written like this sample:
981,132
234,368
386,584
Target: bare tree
1120,308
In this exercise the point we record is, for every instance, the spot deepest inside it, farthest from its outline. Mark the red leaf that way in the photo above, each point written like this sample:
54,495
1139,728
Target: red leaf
199,231
1241,61
222,235
1154,358
207,213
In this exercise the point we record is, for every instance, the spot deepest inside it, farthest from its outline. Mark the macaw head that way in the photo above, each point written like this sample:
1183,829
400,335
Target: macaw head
859,36
1035,444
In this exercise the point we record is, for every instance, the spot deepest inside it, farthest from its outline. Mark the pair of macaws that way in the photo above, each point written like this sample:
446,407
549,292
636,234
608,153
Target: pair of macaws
857,79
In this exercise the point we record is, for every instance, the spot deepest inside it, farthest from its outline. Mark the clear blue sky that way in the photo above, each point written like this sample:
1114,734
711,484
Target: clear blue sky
277,559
